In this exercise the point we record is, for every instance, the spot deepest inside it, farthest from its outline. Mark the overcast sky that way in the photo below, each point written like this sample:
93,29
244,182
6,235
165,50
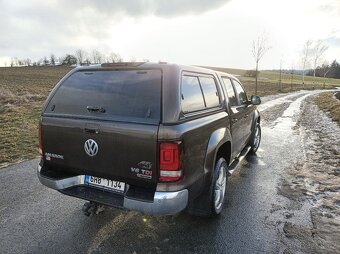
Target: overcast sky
200,32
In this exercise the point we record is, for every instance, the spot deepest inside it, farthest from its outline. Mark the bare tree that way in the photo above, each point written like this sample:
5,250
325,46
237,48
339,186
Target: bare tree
291,77
325,70
259,49
97,57
45,61
61,59
114,58
53,59
305,59
280,82
81,55
318,50
14,61
88,60
133,59
28,61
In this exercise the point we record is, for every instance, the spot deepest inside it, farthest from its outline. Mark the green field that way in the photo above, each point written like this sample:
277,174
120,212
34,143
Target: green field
23,91
329,104
268,82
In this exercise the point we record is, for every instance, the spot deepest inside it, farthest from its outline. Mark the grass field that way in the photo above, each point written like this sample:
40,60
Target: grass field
329,104
268,82
23,91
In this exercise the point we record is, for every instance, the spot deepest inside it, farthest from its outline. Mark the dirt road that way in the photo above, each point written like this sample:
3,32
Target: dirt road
284,200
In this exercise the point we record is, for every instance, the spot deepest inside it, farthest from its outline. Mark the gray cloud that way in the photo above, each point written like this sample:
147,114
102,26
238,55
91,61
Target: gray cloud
333,41
332,7
29,28
162,8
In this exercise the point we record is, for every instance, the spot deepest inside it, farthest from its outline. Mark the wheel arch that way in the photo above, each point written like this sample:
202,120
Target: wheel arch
219,145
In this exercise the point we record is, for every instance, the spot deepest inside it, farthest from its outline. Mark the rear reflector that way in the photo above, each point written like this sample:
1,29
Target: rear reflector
40,141
170,161
170,176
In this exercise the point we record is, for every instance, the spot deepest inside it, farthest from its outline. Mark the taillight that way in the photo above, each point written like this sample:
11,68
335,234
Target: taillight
170,161
40,141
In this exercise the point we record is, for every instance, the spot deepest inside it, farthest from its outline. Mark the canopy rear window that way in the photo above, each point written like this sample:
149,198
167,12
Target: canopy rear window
116,94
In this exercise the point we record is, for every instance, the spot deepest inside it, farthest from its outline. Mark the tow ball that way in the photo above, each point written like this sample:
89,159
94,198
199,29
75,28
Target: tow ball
92,208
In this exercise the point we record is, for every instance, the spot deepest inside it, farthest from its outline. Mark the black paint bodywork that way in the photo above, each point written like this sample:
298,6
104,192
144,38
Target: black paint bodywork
220,131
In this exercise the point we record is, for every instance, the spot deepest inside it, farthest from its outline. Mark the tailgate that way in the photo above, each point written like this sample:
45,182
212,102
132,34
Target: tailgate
119,151
104,122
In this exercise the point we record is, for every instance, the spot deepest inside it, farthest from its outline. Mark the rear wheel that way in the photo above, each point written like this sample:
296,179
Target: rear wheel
211,202
219,186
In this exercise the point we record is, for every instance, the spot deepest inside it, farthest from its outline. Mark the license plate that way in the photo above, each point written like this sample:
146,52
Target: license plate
105,183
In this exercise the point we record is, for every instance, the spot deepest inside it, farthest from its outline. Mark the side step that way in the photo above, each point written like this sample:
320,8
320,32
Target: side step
237,161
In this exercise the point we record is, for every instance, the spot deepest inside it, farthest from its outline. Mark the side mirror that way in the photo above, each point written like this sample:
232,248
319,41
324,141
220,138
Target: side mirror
255,100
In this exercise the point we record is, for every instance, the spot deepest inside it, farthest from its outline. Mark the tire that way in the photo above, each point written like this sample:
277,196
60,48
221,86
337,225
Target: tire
256,139
210,203
218,186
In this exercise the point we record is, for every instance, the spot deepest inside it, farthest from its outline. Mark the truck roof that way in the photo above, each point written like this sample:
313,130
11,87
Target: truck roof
153,65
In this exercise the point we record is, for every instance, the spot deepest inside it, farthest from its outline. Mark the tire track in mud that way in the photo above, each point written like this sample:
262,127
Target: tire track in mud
310,219
272,110
316,179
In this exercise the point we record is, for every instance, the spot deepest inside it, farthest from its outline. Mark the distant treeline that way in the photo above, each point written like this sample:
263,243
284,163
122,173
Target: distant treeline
80,57
327,70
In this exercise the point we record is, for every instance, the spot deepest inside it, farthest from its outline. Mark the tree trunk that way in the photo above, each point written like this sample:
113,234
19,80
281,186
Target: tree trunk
303,78
280,87
314,79
256,73
291,82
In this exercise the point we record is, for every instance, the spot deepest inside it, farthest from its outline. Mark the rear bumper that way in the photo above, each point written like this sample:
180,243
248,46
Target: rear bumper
164,203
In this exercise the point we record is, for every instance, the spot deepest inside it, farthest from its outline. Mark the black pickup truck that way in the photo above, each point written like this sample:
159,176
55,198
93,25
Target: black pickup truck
153,137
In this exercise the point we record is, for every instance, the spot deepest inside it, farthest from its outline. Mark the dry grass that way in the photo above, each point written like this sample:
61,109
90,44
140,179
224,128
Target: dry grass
328,103
269,81
22,94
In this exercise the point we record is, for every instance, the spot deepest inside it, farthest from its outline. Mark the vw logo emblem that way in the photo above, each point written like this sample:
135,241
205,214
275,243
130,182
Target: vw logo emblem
91,147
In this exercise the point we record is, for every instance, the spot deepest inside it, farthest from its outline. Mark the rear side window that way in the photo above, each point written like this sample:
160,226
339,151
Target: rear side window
210,91
122,94
230,92
192,99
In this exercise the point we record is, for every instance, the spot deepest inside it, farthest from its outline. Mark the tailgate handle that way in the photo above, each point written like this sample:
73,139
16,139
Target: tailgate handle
92,131
96,109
